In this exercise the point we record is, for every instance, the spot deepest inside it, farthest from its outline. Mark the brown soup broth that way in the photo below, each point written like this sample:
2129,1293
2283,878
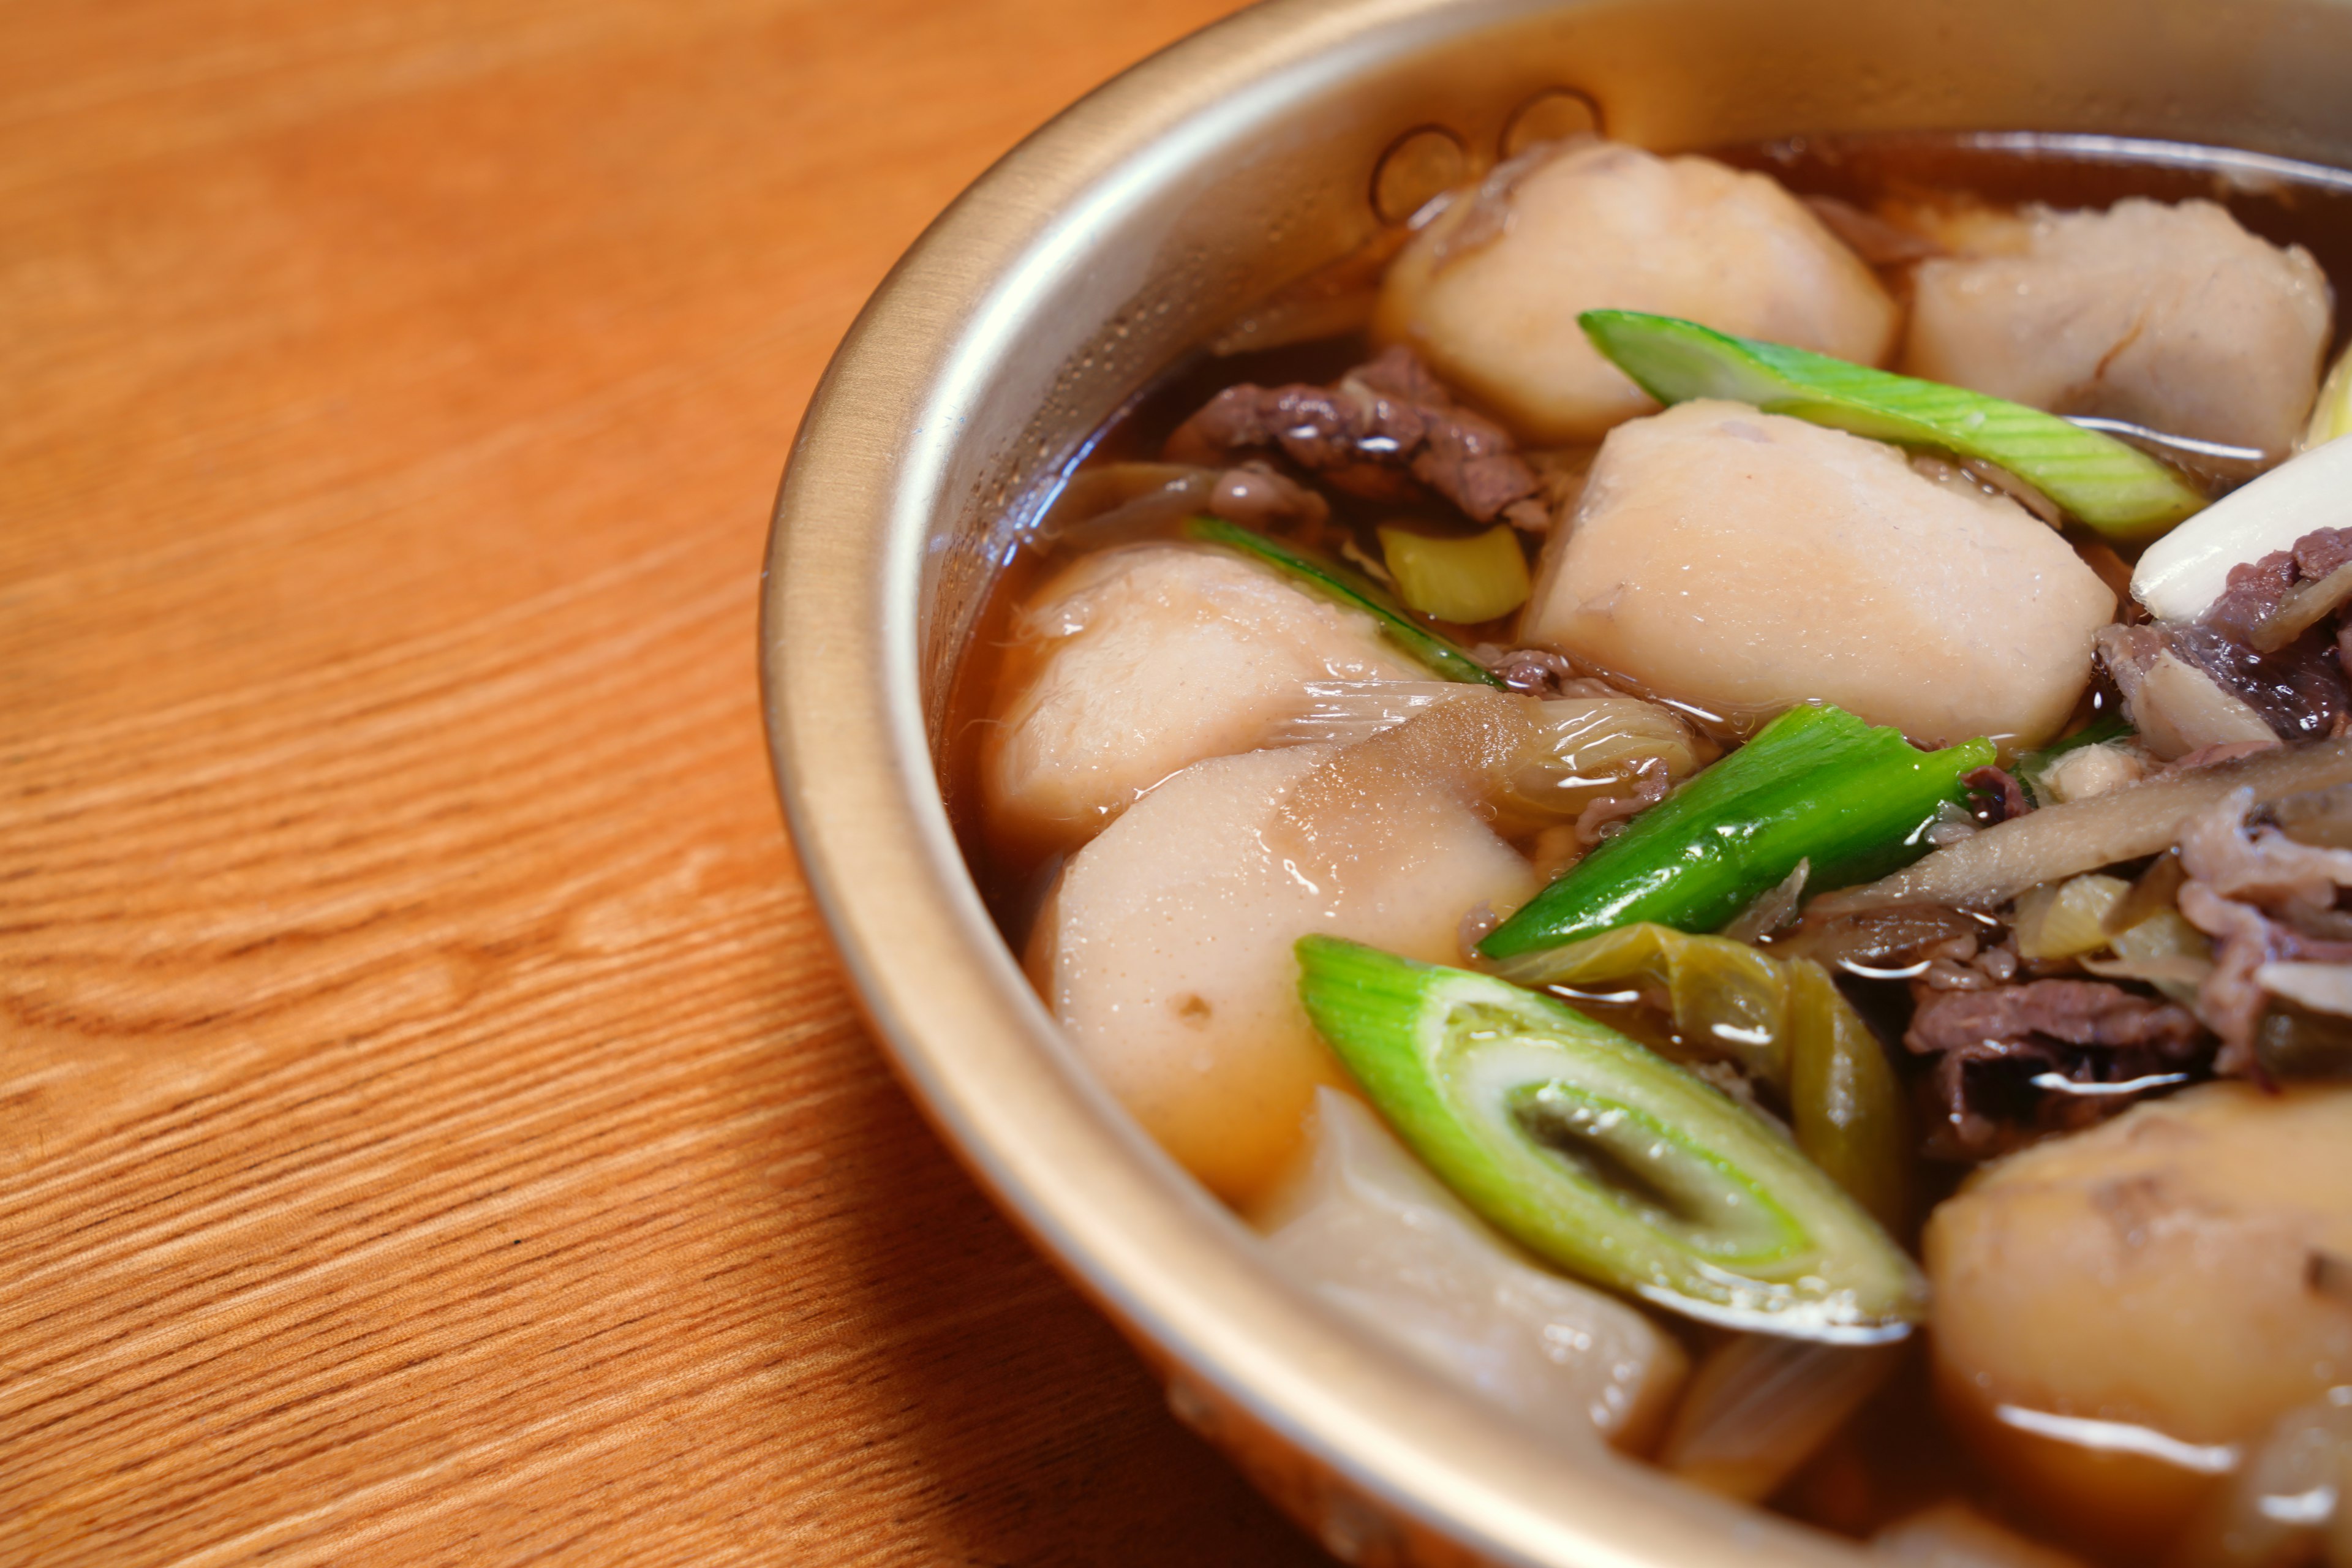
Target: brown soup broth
1897,1455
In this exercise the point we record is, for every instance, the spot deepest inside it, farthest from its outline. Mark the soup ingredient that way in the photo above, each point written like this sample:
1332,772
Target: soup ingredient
1133,664
1127,503
1388,431
1781,1021
2189,689
1604,1157
1740,561
2060,841
1552,760
2068,918
2119,1313
2290,1504
2269,900
2015,1061
2084,771
1845,1100
1817,784
1760,1406
2331,415
1433,652
2111,487
1367,1227
1164,949
2176,708
2169,316
1489,291
2185,573
1461,580
2165,951
2040,772
1953,1535
2321,817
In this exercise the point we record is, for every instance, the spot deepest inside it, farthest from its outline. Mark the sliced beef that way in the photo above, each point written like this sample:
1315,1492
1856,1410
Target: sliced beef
2254,590
2072,1012
1386,431
2015,1061
2000,795
1537,672
2322,551
2299,690
2264,898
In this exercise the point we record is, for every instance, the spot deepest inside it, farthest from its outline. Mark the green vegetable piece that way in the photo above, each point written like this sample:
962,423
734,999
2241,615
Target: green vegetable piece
1816,784
1783,1021
1845,1103
1461,580
1335,582
1604,1157
2115,489
1730,1002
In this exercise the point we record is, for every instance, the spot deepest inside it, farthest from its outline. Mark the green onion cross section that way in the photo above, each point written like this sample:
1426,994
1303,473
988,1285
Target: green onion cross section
1602,1157
2109,485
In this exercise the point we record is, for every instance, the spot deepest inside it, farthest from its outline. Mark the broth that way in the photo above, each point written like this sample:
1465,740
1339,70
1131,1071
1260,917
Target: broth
1898,1453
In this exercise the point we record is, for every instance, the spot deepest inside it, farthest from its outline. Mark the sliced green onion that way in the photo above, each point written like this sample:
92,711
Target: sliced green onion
1816,784
1605,1158
2114,488
1336,582
1461,580
1845,1104
1782,1020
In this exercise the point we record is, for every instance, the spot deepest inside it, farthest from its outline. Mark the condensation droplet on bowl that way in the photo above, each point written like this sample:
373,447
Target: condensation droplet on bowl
1417,166
1552,115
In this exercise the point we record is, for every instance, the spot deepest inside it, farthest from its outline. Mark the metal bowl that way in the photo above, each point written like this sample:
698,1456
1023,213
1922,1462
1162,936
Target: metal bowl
1149,219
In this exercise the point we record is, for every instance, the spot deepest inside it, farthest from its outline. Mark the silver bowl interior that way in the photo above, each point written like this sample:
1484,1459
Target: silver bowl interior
1144,221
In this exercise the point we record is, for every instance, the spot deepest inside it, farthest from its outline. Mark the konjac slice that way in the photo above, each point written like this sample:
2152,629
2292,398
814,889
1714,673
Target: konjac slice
1604,1157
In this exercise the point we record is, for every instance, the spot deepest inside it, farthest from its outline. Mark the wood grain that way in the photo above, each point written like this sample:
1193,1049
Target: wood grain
431,1128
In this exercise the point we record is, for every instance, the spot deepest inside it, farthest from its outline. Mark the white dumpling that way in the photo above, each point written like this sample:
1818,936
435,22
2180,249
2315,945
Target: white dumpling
1132,664
1743,563
1165,949
2119,1312
1369,1229
1489,292
2171,317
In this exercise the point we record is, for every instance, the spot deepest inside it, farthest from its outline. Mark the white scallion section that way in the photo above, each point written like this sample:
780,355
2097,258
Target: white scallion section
2183,572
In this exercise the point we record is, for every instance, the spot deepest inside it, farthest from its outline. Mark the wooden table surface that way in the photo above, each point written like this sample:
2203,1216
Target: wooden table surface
431,1125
